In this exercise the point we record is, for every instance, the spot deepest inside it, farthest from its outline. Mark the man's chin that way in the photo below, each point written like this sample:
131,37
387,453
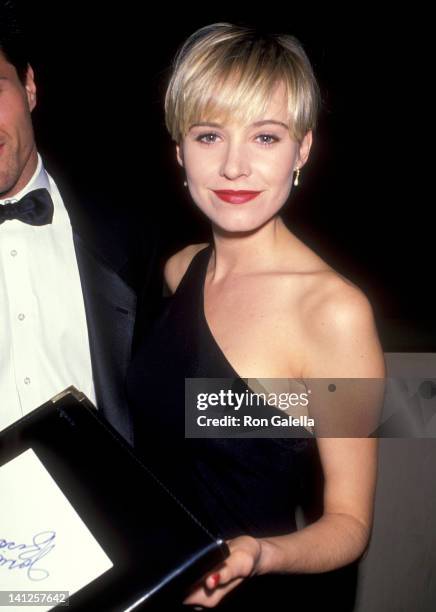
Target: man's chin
7,185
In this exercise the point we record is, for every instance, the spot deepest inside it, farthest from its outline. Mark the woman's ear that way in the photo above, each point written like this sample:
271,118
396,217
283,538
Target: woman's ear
179,152
304,150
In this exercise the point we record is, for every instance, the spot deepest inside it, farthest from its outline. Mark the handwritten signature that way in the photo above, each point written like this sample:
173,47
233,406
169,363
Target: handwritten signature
29,554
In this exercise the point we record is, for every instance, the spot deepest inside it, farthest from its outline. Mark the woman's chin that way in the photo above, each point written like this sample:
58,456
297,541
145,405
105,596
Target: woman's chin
238,226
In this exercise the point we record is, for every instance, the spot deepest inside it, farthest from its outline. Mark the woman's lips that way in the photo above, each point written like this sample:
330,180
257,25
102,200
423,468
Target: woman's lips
236,197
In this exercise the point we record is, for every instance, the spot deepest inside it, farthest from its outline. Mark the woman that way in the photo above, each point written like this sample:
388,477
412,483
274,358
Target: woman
241,107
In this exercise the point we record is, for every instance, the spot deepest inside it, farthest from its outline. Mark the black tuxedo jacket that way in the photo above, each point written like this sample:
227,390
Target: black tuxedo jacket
120,276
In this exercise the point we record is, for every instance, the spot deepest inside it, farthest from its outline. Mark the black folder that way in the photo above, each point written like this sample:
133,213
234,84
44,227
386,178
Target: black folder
158,547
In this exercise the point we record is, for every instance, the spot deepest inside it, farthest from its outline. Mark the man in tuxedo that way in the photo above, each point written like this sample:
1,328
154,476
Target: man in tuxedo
70,281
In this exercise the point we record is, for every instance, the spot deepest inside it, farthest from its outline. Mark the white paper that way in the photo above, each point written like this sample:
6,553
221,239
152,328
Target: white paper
44,544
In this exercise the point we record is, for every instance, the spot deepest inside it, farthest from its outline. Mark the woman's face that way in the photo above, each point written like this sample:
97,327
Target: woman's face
260,157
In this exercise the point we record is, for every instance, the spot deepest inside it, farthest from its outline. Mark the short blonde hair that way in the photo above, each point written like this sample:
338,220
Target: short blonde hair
224,70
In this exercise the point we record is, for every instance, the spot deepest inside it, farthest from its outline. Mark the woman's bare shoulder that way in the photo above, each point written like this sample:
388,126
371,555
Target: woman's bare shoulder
324,301
178,263
340,327
335,301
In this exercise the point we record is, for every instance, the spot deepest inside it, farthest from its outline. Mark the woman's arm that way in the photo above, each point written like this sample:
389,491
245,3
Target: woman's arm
342,344
341,535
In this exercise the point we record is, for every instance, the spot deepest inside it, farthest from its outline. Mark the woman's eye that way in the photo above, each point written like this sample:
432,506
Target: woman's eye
268,139
207,138
211,138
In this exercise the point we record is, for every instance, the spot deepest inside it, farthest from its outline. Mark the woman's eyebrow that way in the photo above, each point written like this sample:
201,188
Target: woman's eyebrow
265,121
255,124
205,124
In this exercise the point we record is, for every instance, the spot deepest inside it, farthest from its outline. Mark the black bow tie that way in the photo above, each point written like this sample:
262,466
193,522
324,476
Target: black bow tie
35,208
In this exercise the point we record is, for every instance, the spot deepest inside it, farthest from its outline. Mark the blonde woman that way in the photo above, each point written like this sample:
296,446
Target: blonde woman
256,303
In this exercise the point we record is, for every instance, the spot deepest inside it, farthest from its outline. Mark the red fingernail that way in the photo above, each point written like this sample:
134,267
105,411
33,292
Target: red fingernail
216,580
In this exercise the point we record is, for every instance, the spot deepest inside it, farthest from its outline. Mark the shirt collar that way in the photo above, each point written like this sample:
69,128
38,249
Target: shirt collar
39,180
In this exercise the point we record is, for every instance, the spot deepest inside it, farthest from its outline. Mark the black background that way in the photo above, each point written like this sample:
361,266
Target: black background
365,200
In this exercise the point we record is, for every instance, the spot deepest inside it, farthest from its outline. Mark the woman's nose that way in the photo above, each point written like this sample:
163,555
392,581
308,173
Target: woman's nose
235,162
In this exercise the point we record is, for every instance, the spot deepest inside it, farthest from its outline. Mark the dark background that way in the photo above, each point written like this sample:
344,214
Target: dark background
365,202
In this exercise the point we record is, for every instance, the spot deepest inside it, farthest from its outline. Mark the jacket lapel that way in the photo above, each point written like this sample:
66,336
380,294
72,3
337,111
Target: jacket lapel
117,260
110,306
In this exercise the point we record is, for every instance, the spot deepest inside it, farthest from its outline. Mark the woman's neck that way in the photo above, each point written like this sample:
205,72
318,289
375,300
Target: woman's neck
246,252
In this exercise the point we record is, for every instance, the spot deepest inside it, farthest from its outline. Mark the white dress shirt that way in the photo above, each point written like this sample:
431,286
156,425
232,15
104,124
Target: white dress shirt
44,345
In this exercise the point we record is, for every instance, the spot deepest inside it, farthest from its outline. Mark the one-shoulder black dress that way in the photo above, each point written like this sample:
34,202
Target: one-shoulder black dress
236,486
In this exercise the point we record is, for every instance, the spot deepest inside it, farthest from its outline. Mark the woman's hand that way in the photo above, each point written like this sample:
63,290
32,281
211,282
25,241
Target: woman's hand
243,562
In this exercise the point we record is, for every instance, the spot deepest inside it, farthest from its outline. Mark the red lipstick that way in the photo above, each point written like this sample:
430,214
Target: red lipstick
236,197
